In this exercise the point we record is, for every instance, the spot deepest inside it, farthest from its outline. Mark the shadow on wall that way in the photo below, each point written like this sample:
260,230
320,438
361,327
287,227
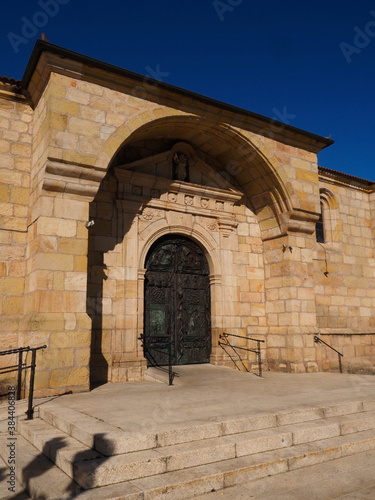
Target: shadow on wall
111,224
108,230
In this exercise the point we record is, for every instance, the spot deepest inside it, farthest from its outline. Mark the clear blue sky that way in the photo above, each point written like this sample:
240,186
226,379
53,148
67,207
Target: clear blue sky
279,59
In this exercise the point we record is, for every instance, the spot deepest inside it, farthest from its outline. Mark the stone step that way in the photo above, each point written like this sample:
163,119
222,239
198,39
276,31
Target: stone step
37,474
90,431
105,438
218,450
46,480
157,375
90,468
191,482
59,447
10,491
351,477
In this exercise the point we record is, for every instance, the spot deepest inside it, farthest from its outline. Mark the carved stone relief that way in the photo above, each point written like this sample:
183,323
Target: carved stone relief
150,214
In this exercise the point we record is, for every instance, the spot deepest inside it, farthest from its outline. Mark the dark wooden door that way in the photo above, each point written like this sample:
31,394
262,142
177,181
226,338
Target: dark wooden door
177,303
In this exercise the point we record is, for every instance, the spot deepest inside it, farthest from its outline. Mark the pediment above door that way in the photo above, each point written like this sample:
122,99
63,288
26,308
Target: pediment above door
180,164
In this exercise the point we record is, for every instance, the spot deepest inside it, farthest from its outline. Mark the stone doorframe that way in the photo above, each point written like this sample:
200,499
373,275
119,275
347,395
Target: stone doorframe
210,249
202,213
207,245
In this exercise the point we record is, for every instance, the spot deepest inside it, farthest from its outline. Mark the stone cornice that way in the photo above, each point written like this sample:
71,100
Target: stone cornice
130,178
335,177
12,92
147,195
81,180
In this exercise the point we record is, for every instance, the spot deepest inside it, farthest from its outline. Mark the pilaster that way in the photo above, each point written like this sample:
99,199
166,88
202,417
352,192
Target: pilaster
290,303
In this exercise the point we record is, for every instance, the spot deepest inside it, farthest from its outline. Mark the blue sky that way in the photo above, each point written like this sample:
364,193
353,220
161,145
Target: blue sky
311,64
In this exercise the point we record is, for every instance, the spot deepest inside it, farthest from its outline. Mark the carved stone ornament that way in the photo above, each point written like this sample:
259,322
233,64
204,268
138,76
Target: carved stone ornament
188,200
148,213
212,225
227,225
204,202
172,197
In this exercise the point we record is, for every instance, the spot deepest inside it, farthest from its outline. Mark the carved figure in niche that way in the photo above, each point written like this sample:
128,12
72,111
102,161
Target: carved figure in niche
180,167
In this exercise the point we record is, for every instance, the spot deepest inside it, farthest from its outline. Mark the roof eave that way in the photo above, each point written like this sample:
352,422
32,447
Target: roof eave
311,141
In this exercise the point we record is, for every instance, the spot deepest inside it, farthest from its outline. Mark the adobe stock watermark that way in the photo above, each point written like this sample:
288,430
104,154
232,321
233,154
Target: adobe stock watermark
151,80
248,152
31,27
222,7
361,39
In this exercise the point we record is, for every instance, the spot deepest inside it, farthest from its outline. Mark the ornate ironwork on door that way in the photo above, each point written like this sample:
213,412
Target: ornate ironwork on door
177,303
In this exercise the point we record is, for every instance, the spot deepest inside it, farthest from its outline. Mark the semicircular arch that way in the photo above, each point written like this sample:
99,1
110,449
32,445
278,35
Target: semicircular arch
158,229
246,159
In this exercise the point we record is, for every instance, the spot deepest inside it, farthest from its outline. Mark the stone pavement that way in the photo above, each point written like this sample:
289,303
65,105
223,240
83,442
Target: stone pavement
205,393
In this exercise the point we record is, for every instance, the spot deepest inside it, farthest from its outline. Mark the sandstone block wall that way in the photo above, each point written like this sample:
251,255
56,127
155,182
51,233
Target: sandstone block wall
15,161
344,275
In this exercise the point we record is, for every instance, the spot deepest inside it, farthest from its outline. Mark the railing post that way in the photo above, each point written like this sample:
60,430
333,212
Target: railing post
170,361
257,351
30,409
318,340
19,378
259,359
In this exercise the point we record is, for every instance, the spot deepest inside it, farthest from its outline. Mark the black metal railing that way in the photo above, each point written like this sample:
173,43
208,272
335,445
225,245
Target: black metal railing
154,363
22,365
318,340
226,343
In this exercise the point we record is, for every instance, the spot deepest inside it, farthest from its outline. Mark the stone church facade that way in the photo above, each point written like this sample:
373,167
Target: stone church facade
131,207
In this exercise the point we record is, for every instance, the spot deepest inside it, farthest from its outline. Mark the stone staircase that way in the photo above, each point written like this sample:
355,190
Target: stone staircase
64,453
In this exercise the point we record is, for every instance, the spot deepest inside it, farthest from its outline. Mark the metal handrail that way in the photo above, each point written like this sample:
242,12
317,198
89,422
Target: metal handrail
257,351
318,340
23,366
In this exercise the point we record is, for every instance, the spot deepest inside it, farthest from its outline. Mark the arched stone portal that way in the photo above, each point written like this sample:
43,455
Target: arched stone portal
180,176
177,319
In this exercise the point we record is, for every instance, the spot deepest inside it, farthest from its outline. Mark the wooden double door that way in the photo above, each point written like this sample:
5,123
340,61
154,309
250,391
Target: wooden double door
177,303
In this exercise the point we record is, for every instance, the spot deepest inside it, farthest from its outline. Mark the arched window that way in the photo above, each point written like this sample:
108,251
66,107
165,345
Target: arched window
329,226
319,229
